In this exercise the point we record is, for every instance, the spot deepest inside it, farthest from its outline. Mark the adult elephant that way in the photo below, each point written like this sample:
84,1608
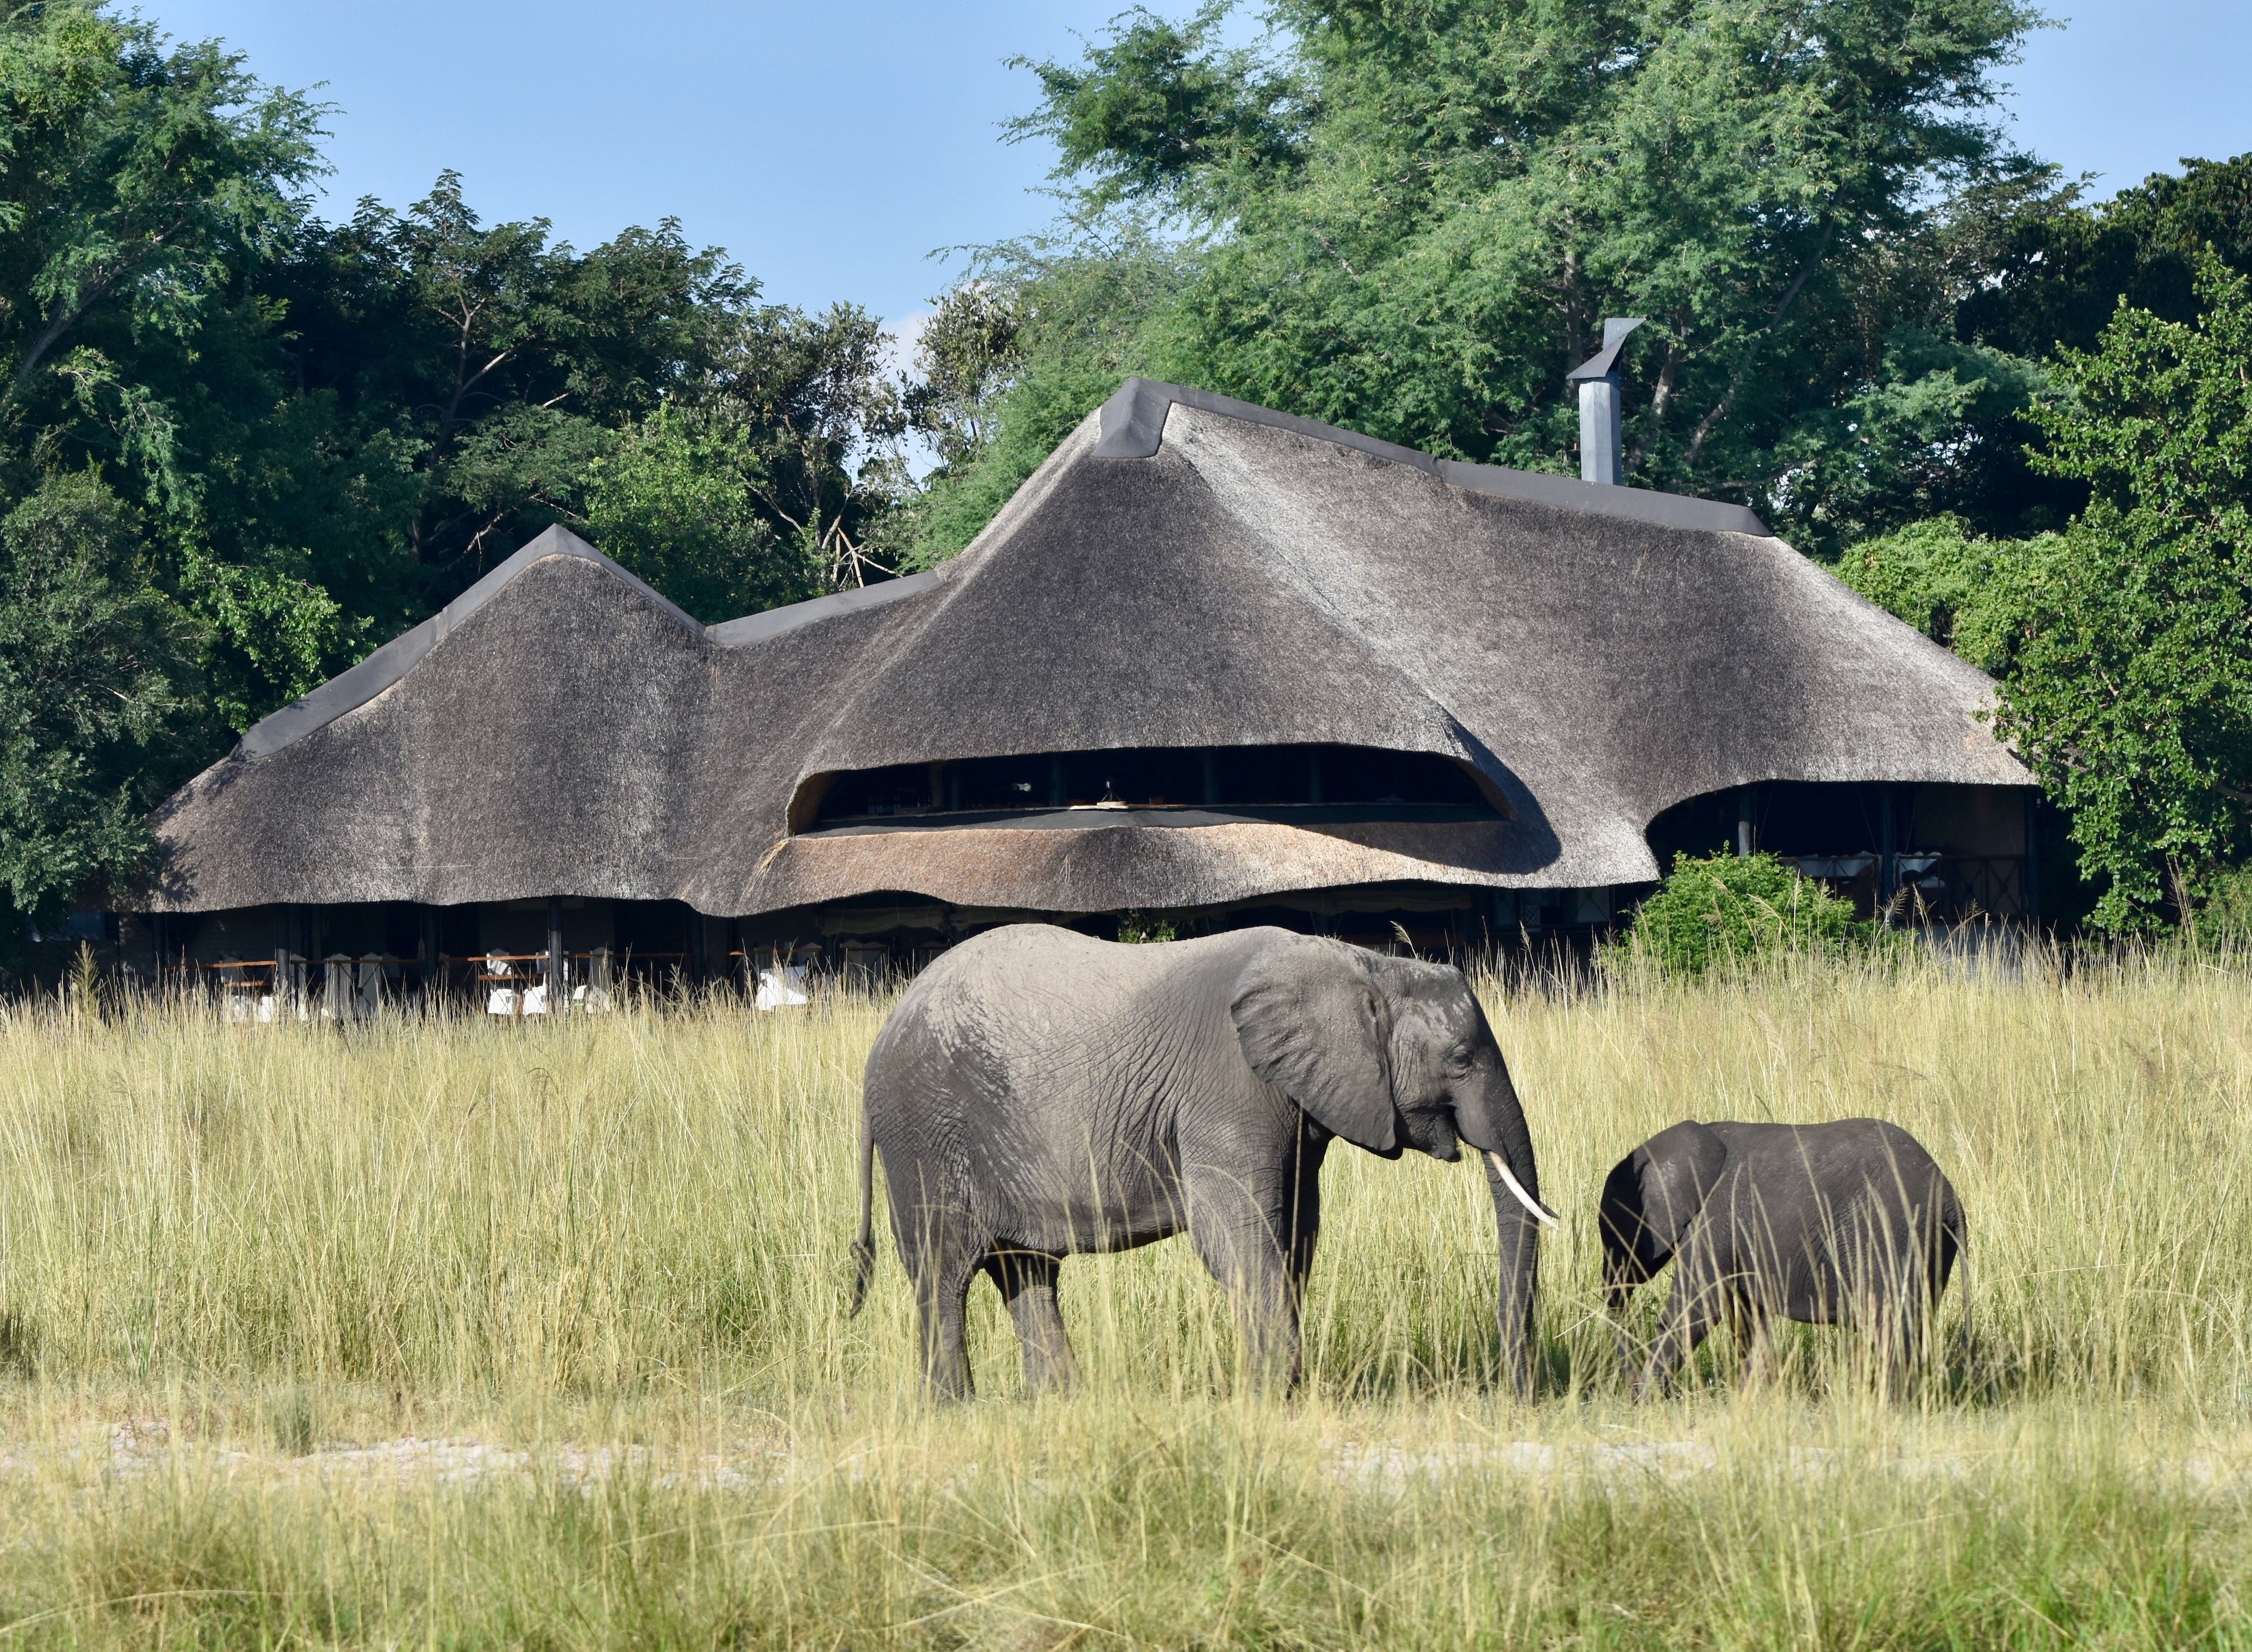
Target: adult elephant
1038,1095
1850,1222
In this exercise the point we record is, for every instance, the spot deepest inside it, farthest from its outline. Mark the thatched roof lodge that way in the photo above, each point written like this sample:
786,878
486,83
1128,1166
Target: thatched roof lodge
1213,663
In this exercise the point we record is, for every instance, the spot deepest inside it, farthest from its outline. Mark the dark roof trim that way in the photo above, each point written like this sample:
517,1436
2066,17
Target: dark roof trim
349,691
1134,423
757,627
1593,498
1134,427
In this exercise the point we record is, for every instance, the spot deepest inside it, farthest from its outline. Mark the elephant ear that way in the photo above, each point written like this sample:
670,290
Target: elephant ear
1653,1194
1313,1025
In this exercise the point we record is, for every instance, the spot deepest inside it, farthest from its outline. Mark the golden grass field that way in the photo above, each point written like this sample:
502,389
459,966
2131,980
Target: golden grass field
445,1331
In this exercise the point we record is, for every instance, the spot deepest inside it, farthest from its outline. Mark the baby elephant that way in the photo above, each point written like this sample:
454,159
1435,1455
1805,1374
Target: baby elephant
1846,1223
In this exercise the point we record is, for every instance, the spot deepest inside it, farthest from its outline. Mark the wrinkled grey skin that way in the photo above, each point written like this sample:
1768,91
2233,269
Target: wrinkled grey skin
1038,1095
1846,1223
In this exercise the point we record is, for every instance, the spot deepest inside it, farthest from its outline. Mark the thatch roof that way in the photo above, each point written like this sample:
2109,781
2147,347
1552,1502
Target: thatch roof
1184,571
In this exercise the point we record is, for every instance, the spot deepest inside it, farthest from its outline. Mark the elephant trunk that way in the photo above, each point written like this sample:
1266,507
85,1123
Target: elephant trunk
1492,1122
1521,1271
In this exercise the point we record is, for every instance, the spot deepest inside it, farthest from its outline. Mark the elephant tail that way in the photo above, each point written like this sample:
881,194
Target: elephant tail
864,1247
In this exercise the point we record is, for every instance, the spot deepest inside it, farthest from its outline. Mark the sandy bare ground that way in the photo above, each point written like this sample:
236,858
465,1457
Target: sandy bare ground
139,1447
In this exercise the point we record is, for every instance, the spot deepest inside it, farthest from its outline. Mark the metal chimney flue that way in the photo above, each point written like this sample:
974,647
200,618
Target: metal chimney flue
1602,456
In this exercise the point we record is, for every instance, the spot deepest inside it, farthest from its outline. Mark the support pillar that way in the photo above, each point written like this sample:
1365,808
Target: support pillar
558,994
1887,849
2033,860
1747,820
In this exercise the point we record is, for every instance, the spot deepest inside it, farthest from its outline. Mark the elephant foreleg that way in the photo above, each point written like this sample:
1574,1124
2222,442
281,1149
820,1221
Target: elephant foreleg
1618,1301
1251,1253
1692,1308
1754,1337
1027,1282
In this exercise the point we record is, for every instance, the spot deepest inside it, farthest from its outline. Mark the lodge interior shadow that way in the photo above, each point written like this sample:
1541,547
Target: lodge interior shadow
1481,817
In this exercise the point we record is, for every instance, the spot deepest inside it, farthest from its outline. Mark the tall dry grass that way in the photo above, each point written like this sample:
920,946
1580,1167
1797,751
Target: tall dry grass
616,1245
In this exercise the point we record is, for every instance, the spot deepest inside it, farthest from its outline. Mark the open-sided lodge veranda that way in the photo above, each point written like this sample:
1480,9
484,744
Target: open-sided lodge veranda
1213,666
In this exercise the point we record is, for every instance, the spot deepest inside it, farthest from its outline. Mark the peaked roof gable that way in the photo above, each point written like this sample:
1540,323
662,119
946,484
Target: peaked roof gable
349,690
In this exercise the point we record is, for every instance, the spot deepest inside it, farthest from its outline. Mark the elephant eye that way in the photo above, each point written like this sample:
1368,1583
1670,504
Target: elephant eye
1459,1057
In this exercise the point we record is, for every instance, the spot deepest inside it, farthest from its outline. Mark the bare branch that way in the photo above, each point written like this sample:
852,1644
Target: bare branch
59,323
1711,421
1660,398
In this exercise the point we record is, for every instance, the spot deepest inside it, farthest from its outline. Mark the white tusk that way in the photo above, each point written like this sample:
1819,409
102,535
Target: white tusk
1541,1213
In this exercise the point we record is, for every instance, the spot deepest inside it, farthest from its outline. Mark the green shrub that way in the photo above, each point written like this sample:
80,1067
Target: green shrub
2222,903
1136,927
1734,908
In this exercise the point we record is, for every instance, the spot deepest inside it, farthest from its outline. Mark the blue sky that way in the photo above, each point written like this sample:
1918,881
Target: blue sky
830,147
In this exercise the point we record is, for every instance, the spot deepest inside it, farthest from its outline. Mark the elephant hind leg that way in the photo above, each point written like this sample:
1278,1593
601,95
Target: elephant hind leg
943,1259
1899,1329
942,1297
1618,1303
1027,1282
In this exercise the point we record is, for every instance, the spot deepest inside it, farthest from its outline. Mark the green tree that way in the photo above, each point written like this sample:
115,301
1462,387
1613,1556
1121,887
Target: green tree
138,181
2132,688
144,186
2039,268
1409,219
966,357
2055,265
1940,431
97,684
1963,590
773,477
677,502
809,399
507,372
494,365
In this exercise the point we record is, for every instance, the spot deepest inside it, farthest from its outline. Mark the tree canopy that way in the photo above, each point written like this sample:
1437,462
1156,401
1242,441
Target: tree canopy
1411,218
2119,633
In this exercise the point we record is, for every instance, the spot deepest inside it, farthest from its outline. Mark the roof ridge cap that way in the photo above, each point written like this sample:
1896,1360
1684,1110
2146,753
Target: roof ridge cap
748,629
1134,427
1134,423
